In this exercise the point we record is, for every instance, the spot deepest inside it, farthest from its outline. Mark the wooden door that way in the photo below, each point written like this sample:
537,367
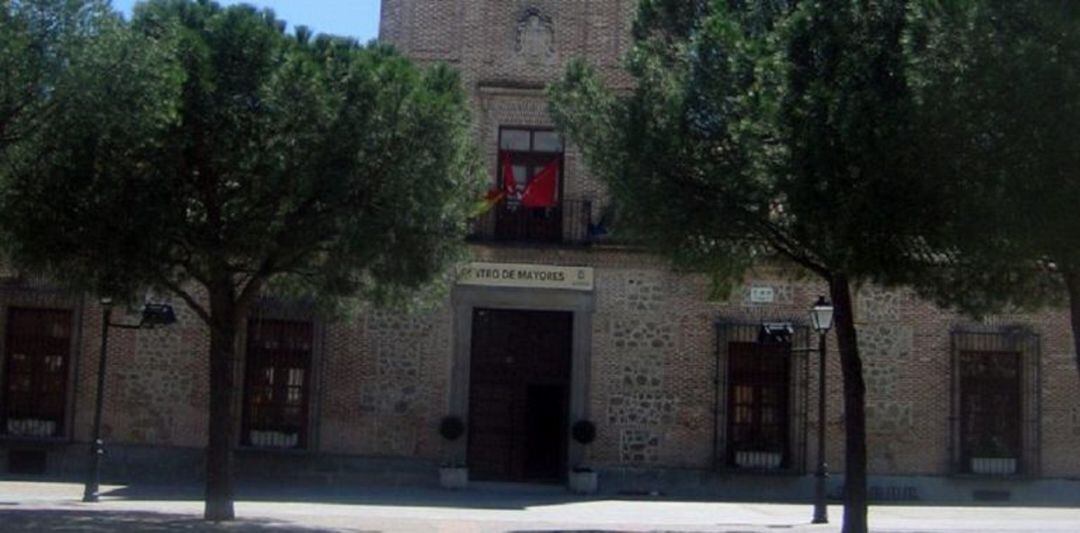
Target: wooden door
519,388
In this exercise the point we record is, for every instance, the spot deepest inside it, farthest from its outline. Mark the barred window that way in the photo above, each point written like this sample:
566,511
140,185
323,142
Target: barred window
277,384
38,350
995,401
761,397
758,404
990,418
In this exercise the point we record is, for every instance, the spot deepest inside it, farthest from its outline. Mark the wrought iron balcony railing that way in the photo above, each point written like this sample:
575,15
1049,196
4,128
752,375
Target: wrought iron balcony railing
570,222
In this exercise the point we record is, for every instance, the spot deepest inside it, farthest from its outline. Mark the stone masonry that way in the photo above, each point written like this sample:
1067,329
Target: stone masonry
382,379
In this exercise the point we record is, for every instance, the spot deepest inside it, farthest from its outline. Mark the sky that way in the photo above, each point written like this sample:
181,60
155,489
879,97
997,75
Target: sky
353,18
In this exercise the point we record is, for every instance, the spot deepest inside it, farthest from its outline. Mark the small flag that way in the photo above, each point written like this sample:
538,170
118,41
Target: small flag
497,193
509,185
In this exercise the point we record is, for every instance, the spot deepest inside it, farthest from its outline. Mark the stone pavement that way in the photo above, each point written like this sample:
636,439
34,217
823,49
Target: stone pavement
34,506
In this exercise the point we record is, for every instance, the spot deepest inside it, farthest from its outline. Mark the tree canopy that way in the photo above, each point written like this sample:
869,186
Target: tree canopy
1000,83
49,50
770,130
248,157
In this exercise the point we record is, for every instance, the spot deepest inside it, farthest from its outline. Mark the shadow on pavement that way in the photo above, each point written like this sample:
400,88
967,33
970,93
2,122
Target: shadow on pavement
486,498
104,521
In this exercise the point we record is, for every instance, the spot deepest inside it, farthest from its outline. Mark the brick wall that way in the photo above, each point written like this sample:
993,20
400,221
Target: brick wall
653,400
383,377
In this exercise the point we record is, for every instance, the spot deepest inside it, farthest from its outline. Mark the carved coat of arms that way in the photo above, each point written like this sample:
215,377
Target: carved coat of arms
535,37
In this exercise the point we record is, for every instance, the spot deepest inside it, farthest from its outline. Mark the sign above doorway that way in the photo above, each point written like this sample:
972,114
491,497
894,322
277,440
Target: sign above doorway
526,276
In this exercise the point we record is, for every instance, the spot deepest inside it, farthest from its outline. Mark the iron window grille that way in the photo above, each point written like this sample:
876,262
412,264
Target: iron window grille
277,384
995,405
761,400
38,352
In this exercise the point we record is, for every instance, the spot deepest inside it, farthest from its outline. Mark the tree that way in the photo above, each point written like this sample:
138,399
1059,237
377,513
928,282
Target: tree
1000,85
769,131
39,39
319,164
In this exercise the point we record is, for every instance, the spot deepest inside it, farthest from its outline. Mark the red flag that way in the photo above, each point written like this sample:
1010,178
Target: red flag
541,190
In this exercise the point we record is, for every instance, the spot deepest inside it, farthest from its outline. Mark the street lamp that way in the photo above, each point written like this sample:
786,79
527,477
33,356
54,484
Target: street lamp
821,317
152,315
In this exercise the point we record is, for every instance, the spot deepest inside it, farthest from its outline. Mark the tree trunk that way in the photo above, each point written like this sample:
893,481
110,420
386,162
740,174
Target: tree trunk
1072,284
219,460
854,408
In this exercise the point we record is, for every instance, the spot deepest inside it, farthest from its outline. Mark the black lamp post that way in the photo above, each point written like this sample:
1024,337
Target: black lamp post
821,317
152,315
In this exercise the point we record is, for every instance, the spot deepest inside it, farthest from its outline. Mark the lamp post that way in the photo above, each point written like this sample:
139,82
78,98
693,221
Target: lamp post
821,317
97,448
152,315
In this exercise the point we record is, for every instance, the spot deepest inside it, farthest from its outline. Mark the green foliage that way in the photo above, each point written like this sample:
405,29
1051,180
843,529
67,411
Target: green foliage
251,158
204,151
762,128
999,86
39,40
86,101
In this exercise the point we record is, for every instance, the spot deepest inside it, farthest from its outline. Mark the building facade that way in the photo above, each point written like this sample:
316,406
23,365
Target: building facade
555,322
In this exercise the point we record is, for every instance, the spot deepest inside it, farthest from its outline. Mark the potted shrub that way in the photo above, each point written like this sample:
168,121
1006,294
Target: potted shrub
993,456
583,480
453,474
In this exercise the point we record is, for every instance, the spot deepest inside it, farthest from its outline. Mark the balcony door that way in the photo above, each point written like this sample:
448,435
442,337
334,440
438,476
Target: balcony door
525,153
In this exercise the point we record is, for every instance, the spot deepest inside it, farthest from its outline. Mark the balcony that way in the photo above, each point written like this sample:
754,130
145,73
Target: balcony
569,223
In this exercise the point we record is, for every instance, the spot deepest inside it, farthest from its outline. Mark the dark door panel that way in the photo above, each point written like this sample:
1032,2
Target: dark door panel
545,444
519,395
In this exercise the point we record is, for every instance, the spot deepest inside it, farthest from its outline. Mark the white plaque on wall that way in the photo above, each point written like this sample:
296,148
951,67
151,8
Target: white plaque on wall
762,295
526,275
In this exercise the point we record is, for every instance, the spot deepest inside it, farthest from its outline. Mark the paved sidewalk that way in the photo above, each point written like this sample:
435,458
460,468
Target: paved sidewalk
48,507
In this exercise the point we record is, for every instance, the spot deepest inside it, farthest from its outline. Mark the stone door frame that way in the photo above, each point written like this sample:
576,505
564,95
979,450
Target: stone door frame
465,299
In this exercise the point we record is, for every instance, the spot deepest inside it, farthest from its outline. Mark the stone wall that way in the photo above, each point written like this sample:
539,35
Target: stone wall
387,375
652,333
383,377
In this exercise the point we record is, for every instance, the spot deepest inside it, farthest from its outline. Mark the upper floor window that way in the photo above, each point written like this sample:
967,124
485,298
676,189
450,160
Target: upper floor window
37,355
530,168
530,172
277,383
528,201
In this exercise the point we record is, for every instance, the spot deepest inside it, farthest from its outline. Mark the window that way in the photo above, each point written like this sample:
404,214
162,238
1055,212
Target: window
528,155
760,398
277,384
38,350
990,410
758,404
995,405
